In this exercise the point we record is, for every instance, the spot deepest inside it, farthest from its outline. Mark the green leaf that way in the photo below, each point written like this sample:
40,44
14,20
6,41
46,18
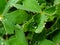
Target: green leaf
2,5
27,24
58,9
9,26
18,38
12,18
22,17
30,18
33,7
18,16
56,38
9,5
41,25
19,33
51,18
2,31
50,10
46,42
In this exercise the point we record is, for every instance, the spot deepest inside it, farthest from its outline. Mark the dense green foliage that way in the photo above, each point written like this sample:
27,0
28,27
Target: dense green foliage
29,22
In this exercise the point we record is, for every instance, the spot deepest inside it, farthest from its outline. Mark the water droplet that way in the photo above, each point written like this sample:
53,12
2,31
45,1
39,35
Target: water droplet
37,31
35,27
43,25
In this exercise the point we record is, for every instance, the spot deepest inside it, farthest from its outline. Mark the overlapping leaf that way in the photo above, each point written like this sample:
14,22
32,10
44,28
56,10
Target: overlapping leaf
18,38
12,18
31,18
